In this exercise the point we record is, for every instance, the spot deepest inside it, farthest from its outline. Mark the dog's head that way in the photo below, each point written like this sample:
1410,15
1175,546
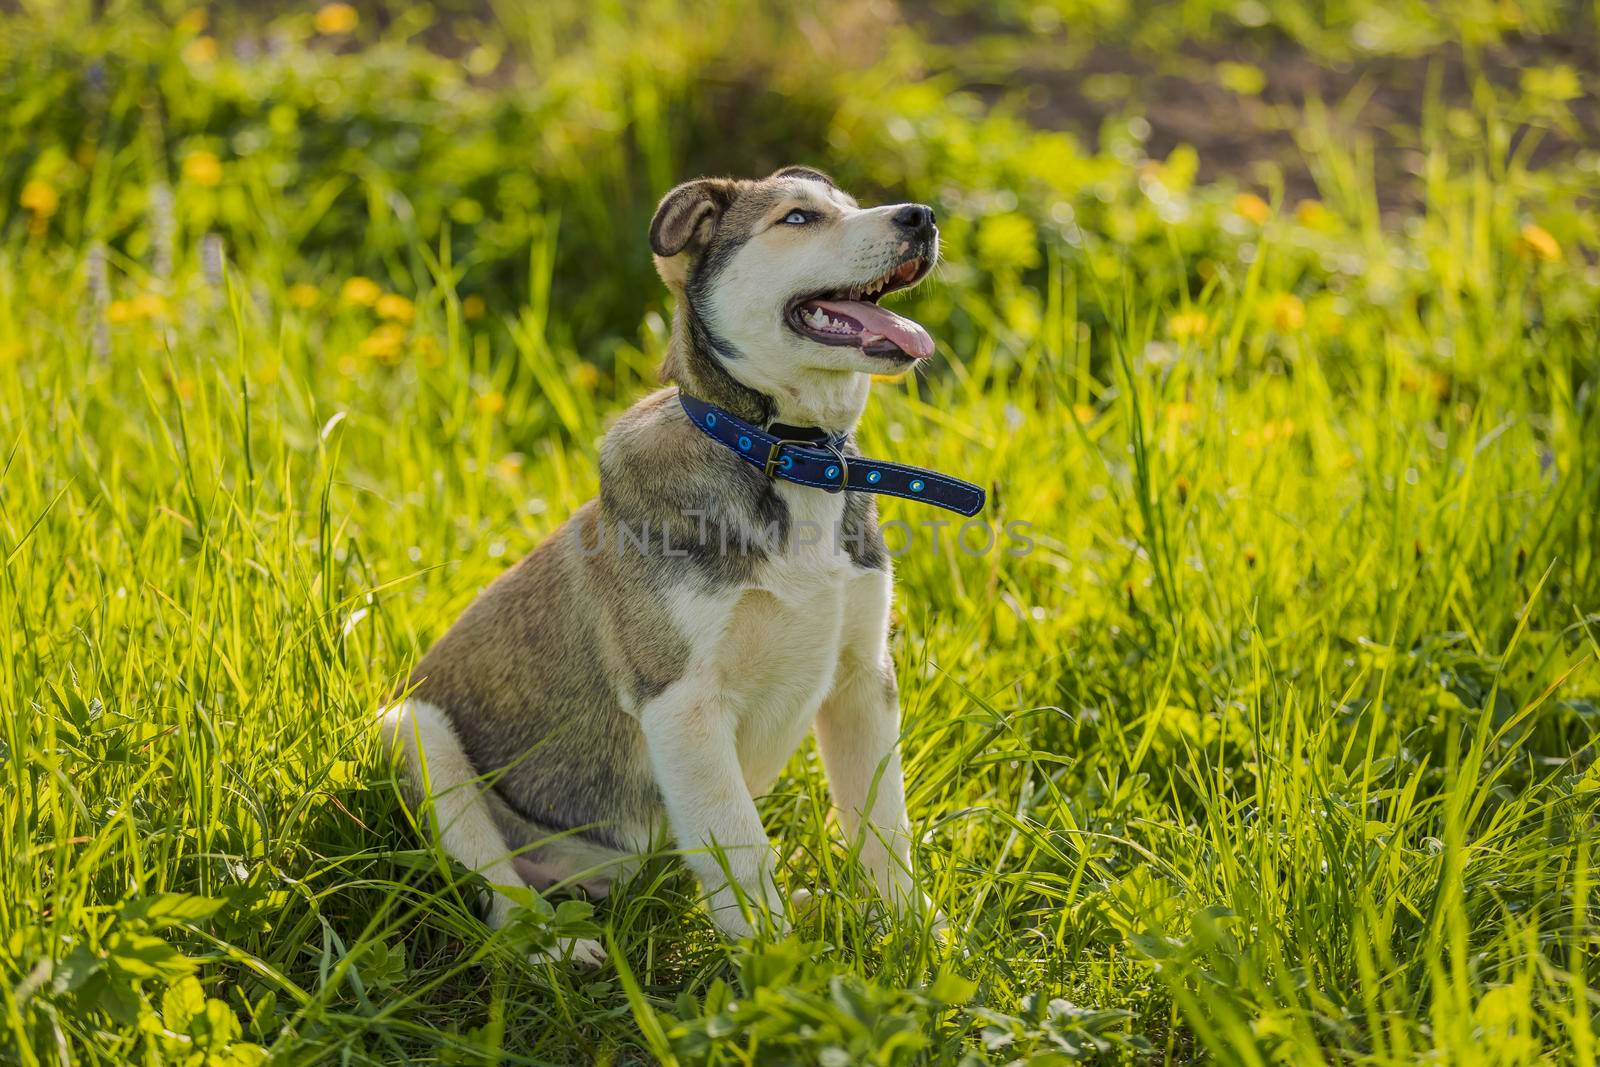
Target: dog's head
781,277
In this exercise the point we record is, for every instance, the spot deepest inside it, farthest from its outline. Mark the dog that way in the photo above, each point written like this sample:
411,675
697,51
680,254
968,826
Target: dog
658,659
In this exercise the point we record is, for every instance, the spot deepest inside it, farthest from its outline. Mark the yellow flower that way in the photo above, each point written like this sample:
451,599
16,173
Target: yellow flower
200,51
1181,412
1272,430
1187,325
1288,313
336,18
586,375
1085,412
1311,213
396,307
1252,207
473,307
384,343
303,295
202,168
360,292
490,403
1537,242
428,351
143,306
40,198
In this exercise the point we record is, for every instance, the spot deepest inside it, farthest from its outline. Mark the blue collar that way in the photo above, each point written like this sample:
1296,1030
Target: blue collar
821,462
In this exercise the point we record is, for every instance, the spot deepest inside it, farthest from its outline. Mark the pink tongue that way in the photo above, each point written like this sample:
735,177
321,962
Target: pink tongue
908,336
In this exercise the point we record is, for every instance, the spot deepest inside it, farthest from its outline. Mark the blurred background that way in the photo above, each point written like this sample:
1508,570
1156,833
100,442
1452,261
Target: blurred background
506,136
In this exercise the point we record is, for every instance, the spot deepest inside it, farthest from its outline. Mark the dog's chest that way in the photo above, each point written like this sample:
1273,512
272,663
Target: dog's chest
780,648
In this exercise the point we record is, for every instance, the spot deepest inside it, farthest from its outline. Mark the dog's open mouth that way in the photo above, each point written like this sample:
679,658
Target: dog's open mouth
852,316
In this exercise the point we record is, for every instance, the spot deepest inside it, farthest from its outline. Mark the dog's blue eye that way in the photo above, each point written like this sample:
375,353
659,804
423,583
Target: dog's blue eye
796,218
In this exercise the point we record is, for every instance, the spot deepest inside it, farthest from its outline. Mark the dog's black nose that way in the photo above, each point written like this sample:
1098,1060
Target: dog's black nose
917,218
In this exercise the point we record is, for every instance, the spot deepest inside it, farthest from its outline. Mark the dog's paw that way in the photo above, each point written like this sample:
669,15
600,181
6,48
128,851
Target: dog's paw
801,903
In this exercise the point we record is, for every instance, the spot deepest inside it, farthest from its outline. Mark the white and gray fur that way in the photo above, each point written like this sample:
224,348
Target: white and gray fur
590,695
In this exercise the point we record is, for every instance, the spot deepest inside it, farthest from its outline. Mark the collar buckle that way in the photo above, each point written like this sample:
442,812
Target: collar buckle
775,457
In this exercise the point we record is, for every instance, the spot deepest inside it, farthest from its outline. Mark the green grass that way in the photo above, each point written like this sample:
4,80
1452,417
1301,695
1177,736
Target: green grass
1277,747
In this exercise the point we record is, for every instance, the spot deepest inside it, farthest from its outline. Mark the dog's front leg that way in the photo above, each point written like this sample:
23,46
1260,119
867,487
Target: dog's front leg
858,731
691,735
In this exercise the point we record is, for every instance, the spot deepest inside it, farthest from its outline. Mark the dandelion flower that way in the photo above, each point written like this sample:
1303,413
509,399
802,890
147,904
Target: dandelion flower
1288,312
1312,213
428,351
303,295
360,292
1252,207
203,168
384,343
40,198
586,375
473,307
335,19
148,306
490,403
143,306
396,307
1187,325
1537,242
200,52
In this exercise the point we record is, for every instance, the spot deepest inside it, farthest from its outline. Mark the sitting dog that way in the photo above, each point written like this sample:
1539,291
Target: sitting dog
664,652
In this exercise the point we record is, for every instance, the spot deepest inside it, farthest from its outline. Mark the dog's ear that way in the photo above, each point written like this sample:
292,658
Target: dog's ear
688,215
800,170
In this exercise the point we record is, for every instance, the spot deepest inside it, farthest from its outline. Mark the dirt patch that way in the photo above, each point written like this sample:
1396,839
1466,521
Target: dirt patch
1061,82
